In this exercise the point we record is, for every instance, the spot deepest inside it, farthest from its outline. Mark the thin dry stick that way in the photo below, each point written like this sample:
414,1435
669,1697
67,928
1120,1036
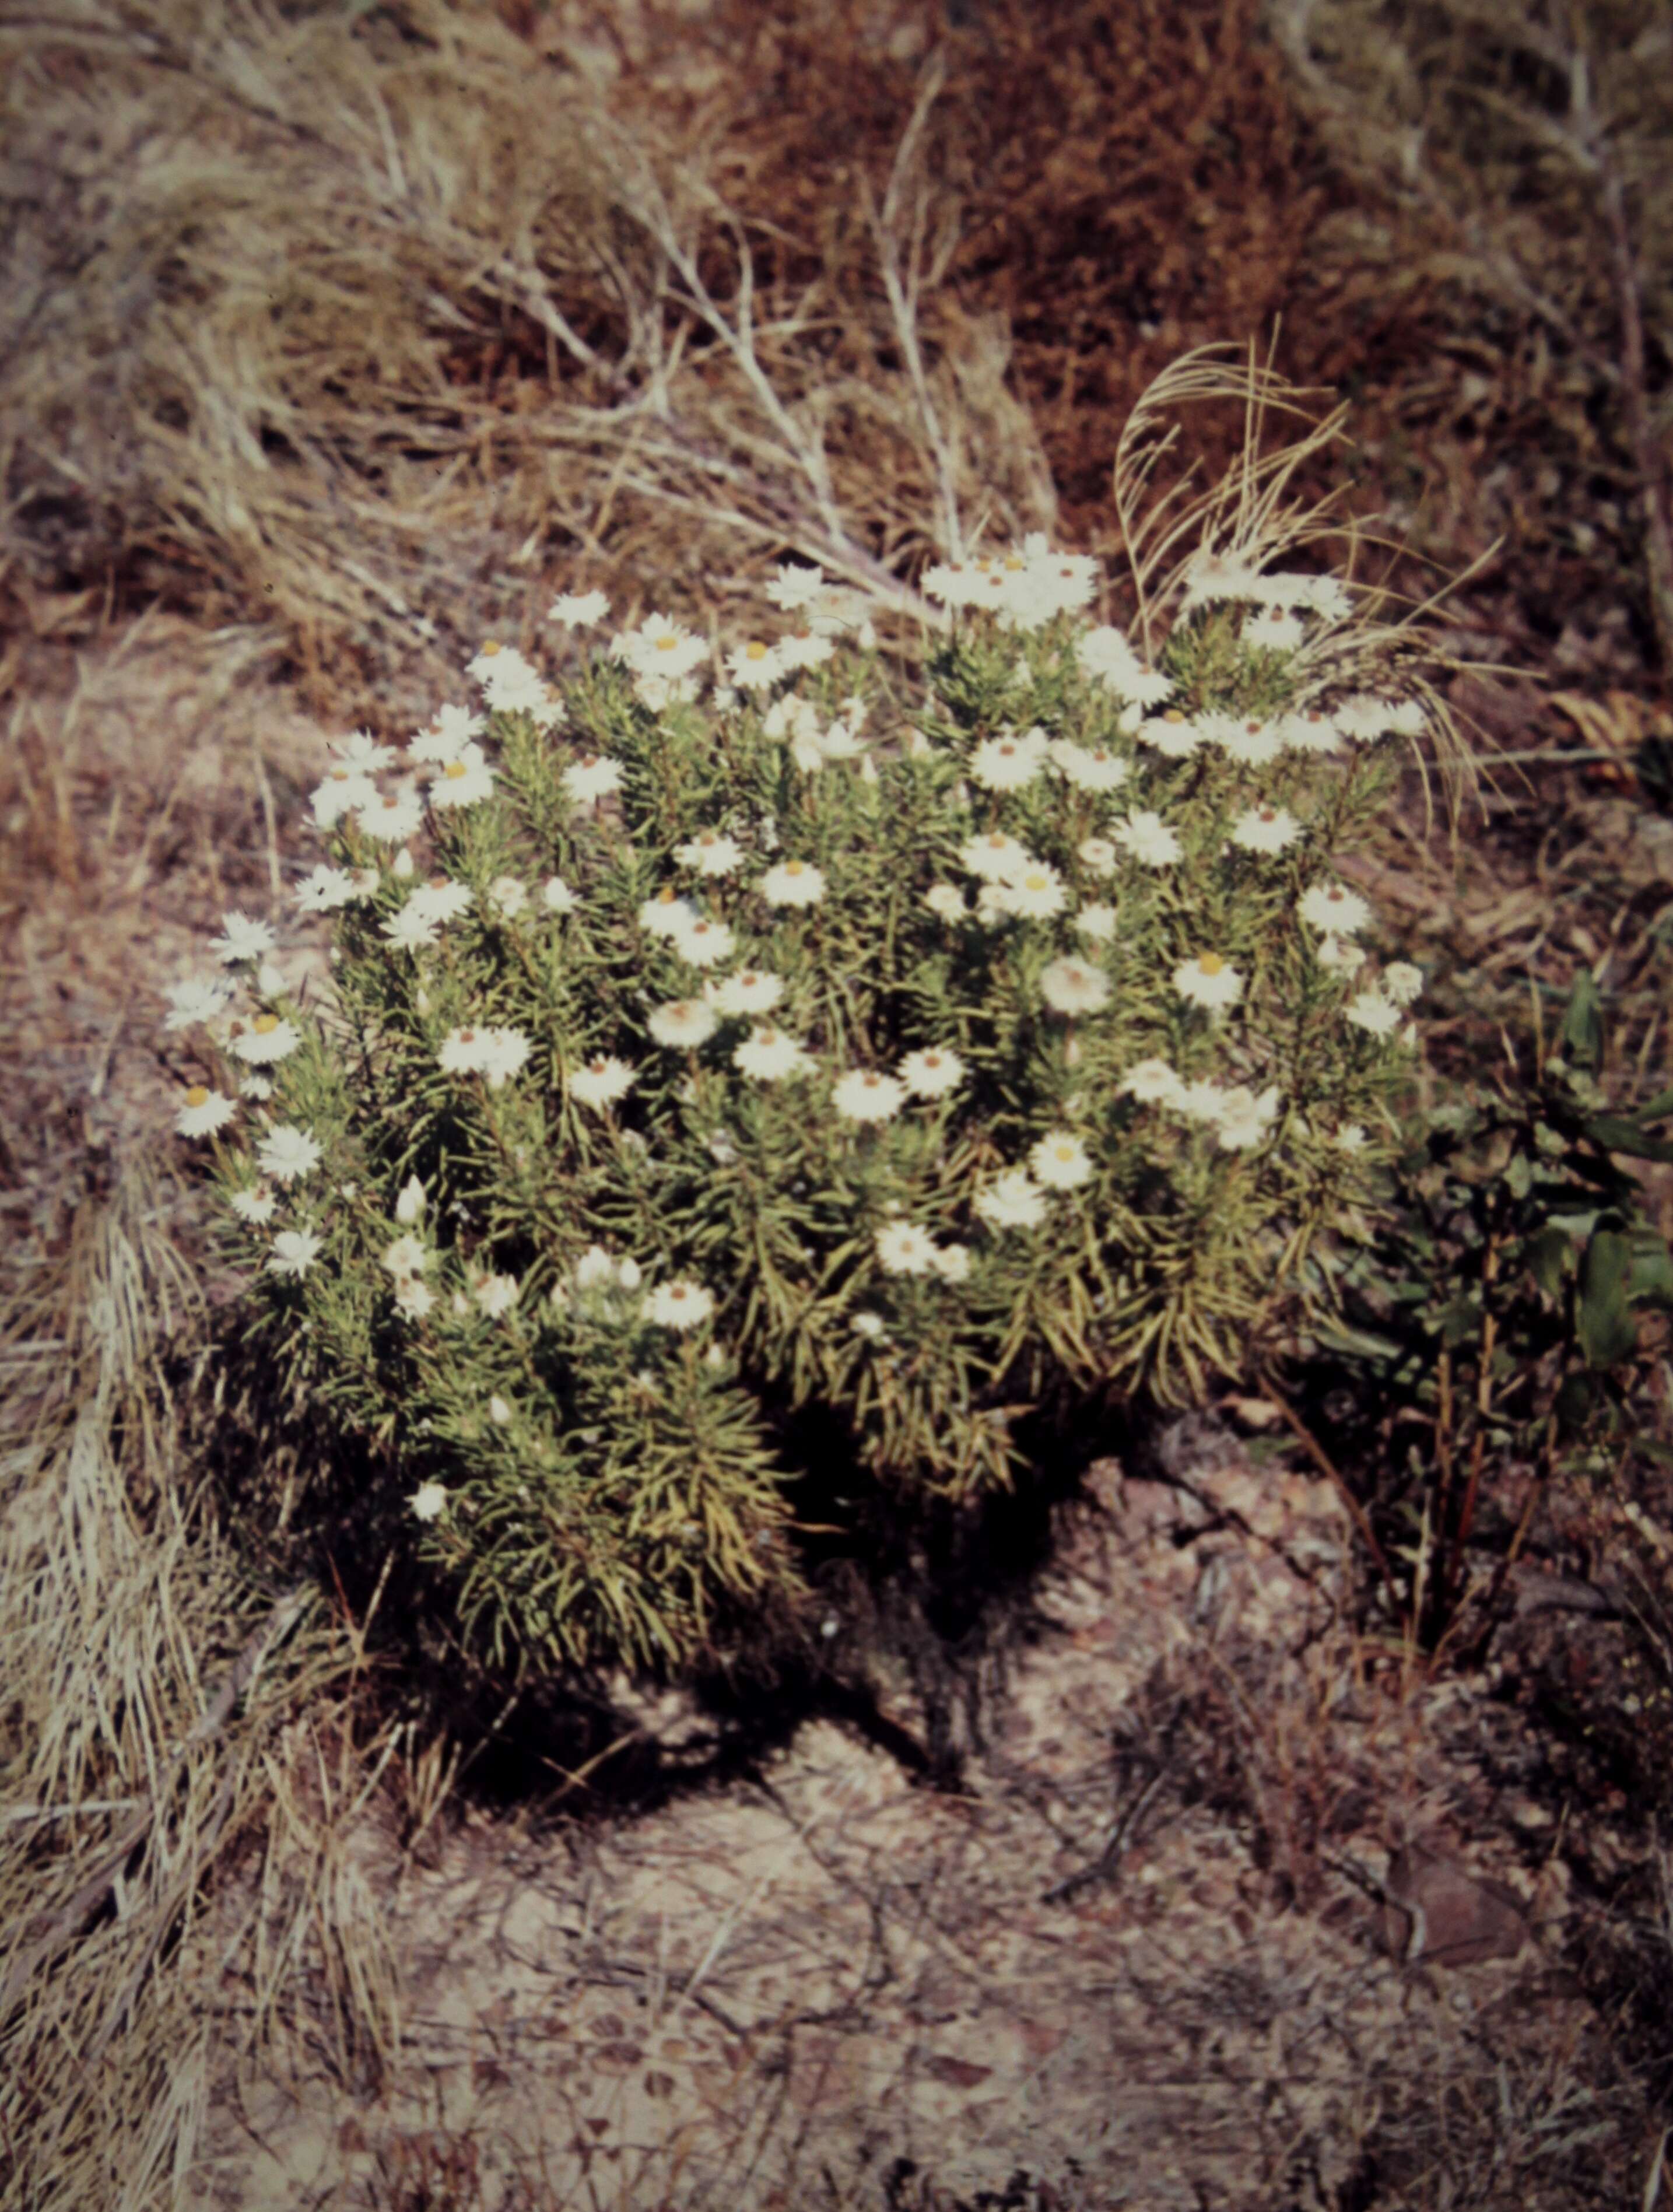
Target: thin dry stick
1322,1460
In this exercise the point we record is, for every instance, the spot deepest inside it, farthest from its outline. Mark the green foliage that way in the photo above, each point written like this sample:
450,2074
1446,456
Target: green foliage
709,1081
1494,1307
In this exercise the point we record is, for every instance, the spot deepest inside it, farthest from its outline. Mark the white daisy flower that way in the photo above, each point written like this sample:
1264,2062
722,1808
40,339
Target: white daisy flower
1146,687
403,866
243,937
202,1112
257,1205
1311,730
407,1256
1370,1010
1248,740
1245,1120
1148,838
903,1251
1171,733
257,1087
803,648
705,944
410,1205
506,1054
1406,718
711,853
1330,907
660,647
342,793
1362,717
495,1294
1401,982
678,1305
1152,1082
753,666
1098,854
557,896
266,1040
752,991
1265,829
946,901
1326,596
414,1297
951,1262
440,900
1072,987
1007,761
628,1273
1106,657
196,999
1208,981
682,1021
1059,1161
865,1094
294,1251
391,817
602,1081
594,1270
1272,629
1089,767
840,743
1012,1201
931,1072
325,889
1034,892
360,753
506,897
768,1056
792,883
791,585
591,778
429,1502
366,882
1210,576
464,780
287,1153
1340,955
869,1325
410,929
1097,924
1351,1137
465,1051
452,728
667,914
499,1411
995,858
578,610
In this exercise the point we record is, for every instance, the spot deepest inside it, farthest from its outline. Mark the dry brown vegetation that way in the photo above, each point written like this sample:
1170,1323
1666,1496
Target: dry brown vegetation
332,338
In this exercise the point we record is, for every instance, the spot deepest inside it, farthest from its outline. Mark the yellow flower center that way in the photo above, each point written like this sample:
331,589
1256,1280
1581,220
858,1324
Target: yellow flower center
754,651
768,1036
339,775
1037,883
666,644
1173,714
491,647
1063,1152
1211,964
454,771
196,1095
265,1024
1015,566
999,840
792,868
666,896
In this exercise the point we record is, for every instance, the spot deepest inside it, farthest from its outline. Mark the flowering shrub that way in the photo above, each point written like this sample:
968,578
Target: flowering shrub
685,1070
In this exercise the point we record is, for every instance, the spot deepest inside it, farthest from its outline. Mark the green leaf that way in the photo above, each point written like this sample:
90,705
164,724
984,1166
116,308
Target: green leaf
1583,1023
1615,1134
1651,1276
1519,1175
1546,1255
1604,1318
1575,1398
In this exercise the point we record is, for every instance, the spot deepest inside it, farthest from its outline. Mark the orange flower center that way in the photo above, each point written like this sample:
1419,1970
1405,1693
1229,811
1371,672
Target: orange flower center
1268,814
999,840
666,896
932,1060
747,979
196,1095
792,868
1211,964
